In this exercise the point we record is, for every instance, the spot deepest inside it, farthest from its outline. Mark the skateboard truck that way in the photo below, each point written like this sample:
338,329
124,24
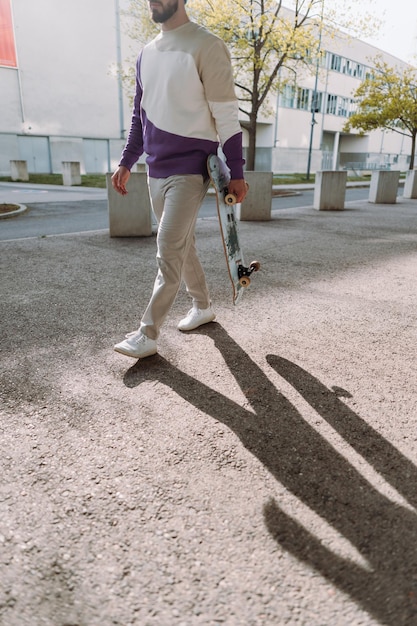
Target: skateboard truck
244,272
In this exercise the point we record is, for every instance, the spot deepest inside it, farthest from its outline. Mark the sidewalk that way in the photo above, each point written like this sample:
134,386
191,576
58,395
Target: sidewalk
25,193
260,471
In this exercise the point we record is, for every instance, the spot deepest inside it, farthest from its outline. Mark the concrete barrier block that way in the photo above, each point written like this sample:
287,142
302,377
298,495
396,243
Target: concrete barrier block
410,186
258,203
71,173
384,187
19,170
330,190
131,215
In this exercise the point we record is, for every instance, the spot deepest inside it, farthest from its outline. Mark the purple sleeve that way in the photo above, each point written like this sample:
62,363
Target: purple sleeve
232,150
134,145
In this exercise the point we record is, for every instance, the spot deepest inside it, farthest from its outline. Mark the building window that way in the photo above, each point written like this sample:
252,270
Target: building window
317,102
358,70
343,106
306,100
303,98
335,62
331,104
346,66
288,96
353,105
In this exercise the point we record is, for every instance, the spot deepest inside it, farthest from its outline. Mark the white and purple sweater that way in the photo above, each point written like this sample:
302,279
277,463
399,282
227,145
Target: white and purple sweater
185,104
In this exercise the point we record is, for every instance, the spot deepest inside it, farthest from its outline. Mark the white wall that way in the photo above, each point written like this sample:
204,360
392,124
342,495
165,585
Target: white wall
65,50
293,128
10,110
65,88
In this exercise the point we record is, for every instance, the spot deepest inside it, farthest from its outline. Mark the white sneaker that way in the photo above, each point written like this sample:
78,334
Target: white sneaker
196,317
137,345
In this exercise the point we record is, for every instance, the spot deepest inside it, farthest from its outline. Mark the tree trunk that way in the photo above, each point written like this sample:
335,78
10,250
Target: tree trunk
413,150
251,151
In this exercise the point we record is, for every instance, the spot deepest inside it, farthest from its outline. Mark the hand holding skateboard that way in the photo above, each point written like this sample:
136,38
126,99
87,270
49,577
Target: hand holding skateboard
237,188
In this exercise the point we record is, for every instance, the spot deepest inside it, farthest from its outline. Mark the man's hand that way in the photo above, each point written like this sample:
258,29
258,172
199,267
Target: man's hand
119,179
239,188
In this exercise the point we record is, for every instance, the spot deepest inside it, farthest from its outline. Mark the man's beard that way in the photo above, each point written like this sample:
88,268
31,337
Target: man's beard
159,16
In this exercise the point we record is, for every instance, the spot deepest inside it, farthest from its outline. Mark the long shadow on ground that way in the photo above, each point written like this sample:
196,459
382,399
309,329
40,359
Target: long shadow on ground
383,533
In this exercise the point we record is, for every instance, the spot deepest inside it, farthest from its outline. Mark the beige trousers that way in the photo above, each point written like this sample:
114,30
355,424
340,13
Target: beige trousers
176,201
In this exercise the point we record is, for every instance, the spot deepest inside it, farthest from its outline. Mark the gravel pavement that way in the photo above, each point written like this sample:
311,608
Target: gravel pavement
259,471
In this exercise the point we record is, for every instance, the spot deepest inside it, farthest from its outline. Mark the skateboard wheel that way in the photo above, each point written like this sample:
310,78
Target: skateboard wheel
255,266
244,281
230,198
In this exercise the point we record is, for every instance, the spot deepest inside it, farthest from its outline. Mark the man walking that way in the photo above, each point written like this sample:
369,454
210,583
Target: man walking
184,106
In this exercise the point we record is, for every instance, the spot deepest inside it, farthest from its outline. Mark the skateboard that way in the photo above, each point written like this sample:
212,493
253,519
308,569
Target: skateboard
239,274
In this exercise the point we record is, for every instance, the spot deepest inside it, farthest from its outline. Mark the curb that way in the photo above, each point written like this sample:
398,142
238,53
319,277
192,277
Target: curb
22,208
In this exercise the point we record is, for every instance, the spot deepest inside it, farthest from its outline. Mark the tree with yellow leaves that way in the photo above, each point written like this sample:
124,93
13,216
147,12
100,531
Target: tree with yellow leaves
388,99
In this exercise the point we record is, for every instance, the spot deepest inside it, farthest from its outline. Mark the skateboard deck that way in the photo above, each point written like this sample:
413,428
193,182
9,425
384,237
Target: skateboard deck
238,272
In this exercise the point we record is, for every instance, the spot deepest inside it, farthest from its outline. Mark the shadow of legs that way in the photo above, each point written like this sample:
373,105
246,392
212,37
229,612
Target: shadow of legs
383,533
393,466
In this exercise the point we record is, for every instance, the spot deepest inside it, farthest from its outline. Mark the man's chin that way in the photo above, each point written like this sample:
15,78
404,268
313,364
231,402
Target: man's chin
161,14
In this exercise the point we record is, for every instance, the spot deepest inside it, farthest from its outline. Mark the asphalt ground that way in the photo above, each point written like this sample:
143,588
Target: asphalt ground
258,471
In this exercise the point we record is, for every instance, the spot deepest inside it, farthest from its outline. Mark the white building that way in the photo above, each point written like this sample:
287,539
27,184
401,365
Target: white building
61,99
345,64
